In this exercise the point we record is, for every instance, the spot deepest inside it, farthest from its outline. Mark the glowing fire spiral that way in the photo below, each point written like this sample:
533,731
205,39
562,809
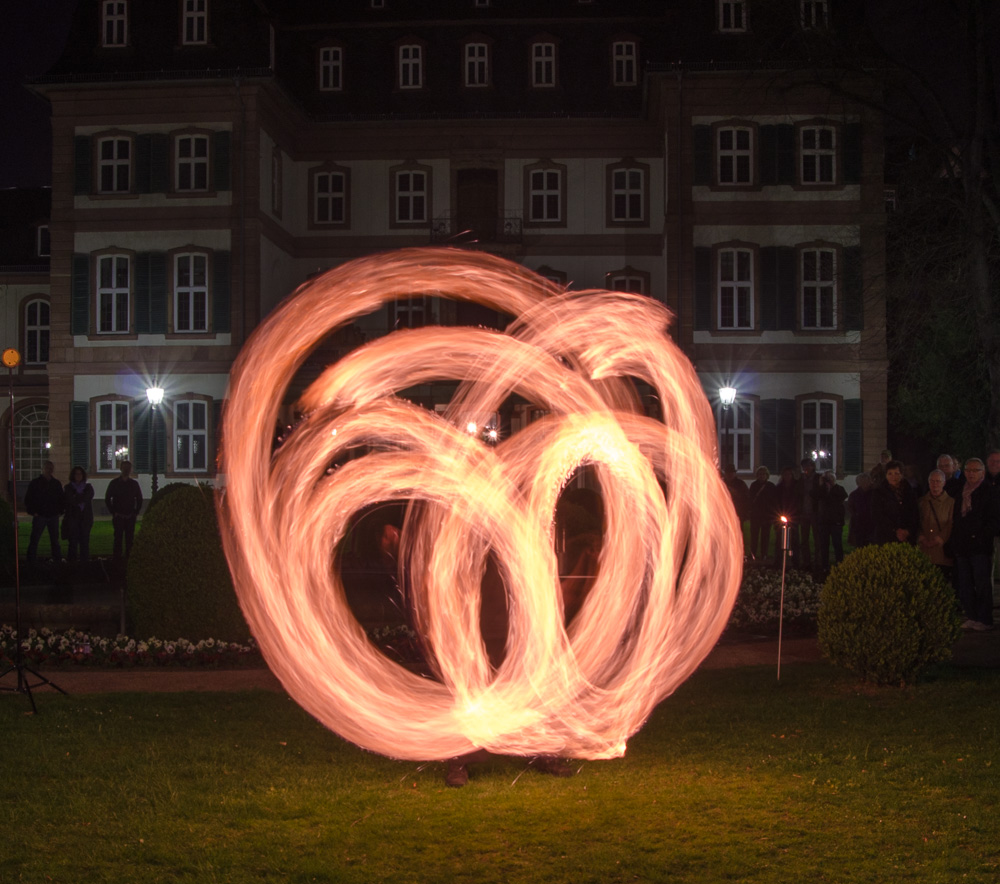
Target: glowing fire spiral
670,562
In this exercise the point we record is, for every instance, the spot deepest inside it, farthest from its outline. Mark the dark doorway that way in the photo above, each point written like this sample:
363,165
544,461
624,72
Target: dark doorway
477,203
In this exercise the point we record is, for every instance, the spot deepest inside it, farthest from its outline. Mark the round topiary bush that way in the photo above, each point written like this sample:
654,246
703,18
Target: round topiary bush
886,612
178,580
164,491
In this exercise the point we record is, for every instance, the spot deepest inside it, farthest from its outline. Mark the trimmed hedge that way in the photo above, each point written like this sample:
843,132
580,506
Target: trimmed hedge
886,613
171,487
178,579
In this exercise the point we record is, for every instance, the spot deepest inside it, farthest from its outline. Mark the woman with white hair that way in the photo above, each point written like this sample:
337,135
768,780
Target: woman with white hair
936,509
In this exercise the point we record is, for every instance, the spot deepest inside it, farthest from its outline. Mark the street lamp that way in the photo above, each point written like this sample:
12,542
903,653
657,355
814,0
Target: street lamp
155,397
727,396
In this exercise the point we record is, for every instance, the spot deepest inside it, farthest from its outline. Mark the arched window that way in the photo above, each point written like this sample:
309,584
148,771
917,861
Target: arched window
31,440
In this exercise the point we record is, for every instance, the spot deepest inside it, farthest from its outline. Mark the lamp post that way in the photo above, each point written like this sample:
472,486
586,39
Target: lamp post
727,396
155,396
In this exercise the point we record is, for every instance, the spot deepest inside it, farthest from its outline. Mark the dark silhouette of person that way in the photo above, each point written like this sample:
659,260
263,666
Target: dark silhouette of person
44,503
79,517
124,500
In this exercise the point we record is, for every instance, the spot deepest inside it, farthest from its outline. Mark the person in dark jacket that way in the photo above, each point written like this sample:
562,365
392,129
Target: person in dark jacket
976,521
44,503
830,517
859,508
123,500
895,518
808,488
787,497
79,517
737,492
763,495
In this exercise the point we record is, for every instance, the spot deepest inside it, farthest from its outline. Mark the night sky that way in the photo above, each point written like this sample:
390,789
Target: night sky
31,39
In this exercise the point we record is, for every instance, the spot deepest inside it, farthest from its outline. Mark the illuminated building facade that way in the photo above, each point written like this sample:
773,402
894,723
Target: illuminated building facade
211,155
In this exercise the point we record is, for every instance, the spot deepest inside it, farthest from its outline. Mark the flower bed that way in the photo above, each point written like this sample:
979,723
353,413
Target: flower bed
74,647
759,601
757,606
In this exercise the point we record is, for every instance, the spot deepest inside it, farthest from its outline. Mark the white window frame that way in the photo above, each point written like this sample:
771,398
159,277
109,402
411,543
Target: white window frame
628,196
331,69
329,205
191,158
822,436
818,160
732,16
477,64
818,273
411,66
735,426
624,55
117,166
543,65
735,286
194,23
192,435
814,14
113,294
627,282
37,332
411,312
114,440
31,438
114,23
545,192
729,168
191,292
411,196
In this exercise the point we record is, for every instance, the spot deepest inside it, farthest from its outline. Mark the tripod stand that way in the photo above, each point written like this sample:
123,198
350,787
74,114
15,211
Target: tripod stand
11,358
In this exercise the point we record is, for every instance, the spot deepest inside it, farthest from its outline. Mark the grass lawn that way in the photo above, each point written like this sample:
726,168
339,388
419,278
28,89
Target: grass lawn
102,537
735,778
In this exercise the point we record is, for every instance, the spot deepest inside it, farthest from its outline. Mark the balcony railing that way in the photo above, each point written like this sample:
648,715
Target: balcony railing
507,229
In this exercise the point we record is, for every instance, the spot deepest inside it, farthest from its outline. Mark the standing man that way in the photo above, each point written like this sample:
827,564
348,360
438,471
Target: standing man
123,500
44,503
808,491
953,479
993,479
974,525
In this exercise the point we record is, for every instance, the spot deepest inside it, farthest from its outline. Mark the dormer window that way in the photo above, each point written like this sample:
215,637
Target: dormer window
814,14
411,66
732,16
194,25
623,54
114,23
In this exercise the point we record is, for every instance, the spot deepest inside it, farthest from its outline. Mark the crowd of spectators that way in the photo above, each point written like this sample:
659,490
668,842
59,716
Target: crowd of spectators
952,515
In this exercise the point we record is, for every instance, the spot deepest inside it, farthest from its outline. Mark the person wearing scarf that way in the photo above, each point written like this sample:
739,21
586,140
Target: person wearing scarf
975,522
895,518
79,514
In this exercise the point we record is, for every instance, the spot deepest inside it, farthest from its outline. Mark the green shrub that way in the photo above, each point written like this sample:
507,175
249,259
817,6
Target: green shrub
169,488
886,612
178,580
